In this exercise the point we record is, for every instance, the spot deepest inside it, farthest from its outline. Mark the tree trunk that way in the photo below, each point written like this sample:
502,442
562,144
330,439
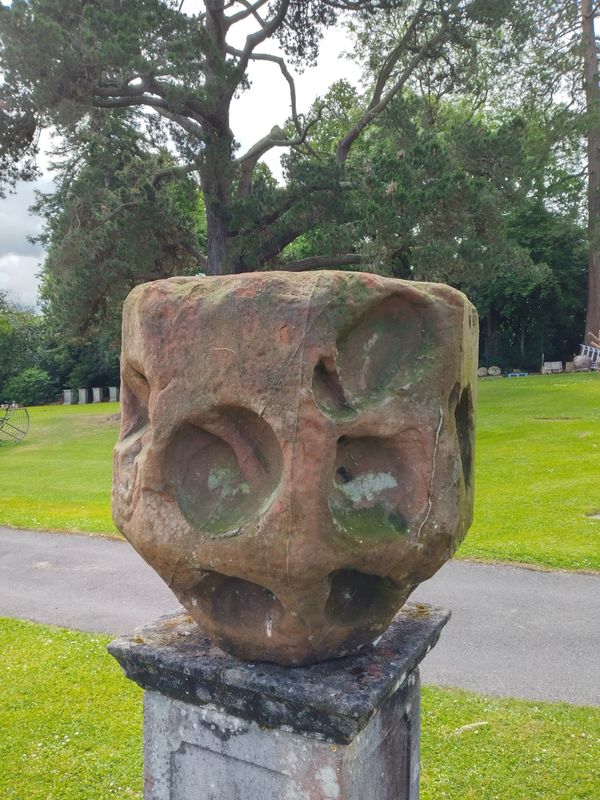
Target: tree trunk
217,241
215,176
216,171
491,337
522,343
592,94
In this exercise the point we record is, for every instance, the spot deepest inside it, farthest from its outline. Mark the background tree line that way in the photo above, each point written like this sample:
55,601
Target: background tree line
463,160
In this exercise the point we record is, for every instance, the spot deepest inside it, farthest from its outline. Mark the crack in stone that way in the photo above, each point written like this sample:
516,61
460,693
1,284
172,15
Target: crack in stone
433,466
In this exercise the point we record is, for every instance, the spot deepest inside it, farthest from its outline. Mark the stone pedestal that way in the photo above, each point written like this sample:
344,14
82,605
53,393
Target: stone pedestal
113,394
97,394
83,396
68,397
220,729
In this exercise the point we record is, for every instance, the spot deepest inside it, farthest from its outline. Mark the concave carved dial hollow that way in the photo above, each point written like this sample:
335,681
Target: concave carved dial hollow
234,603
358,598
377,492
370,356
223,469
463,415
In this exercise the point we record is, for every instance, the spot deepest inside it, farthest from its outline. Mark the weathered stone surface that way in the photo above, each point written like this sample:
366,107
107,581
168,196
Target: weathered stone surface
296,451
333,700
201,752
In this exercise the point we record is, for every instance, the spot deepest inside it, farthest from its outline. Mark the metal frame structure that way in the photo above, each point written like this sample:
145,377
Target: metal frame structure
593,353
14,423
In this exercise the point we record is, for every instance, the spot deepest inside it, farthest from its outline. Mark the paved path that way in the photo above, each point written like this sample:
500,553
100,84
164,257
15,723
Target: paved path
513,631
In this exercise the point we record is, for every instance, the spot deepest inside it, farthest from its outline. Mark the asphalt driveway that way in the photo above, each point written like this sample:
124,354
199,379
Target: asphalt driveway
515,632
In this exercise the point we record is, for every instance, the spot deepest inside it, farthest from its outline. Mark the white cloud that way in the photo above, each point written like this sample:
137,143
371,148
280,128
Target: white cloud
17,222
18,277
20,260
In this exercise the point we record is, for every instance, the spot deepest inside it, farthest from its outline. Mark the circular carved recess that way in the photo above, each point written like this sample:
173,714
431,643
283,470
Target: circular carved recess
378,487
234,604
135,396
357,598
225,470
465,427
377,352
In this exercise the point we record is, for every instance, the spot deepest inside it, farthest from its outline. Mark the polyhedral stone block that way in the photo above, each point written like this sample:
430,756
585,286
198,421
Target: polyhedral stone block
296,450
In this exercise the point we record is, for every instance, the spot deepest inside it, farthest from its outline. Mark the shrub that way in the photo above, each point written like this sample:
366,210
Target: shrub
29,387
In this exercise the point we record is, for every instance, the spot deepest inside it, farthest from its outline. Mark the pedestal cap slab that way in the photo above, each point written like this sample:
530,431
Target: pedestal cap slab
334,700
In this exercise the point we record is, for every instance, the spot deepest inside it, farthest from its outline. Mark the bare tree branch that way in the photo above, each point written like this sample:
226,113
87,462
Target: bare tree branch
287,199
123,101
284,71
158,104
216,22
123,89
320,262
248,162
251,9
357,5
277,237
392,58
379,100
174,172
275,138
193,128
265,32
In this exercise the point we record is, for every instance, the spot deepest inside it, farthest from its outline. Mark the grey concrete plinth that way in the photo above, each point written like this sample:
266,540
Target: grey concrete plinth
83,396
97,394
219,729
68,398
113,394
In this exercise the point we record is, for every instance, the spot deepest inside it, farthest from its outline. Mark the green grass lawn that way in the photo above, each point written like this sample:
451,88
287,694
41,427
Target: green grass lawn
70,721
59,476
71,730
537,471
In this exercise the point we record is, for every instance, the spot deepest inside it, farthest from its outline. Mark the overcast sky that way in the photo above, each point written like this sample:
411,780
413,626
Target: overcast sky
253,115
